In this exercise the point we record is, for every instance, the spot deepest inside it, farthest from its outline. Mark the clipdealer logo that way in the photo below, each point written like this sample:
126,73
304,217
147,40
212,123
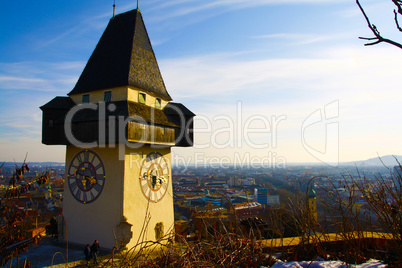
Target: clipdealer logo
256,132
326,121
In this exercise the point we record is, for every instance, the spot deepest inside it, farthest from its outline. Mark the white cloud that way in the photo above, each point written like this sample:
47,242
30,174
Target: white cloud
333,72
365,81
180,8
184,7
301,39
39,76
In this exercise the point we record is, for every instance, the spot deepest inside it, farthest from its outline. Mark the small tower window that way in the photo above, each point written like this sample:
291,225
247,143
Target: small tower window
107,96
85,98
158,103
142,97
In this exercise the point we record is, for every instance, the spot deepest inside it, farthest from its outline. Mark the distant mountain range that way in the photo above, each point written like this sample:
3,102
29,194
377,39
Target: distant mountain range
387,160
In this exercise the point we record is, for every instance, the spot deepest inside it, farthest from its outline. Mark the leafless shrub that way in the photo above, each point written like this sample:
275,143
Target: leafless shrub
15,222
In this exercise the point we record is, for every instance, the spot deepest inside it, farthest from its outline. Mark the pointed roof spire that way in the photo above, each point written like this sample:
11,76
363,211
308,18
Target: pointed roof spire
123,57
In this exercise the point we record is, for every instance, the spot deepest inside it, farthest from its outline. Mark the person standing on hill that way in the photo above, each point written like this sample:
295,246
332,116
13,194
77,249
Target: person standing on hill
53,226
87,253
95,248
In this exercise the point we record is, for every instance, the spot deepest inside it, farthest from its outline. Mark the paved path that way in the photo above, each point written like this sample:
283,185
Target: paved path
48,249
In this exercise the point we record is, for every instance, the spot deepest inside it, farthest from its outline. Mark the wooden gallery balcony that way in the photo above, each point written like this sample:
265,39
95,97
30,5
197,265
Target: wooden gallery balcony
117,122
145,133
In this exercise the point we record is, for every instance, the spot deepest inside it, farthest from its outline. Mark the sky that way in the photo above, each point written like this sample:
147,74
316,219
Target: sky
271,81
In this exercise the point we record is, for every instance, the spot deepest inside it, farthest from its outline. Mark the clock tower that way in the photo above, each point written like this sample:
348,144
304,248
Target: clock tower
118,124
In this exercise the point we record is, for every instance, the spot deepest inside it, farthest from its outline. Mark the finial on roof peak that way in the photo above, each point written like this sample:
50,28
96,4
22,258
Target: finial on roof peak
138,5
114,8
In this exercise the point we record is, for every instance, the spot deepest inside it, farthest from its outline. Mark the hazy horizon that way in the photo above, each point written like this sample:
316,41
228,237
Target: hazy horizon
387,160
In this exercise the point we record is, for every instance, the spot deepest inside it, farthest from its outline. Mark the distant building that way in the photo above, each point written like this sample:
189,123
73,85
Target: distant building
261,195
189,181
248,210
273,198
248,182
213,200
209,224
216,185
266,197
308,172
234,181
237,182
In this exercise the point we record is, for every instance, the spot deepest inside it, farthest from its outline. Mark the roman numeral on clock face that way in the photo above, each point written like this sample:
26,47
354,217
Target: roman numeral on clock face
72,182
86,156
97,188
84,197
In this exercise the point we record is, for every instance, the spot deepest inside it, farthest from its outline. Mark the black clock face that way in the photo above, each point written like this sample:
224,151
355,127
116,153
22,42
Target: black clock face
86,176
154,177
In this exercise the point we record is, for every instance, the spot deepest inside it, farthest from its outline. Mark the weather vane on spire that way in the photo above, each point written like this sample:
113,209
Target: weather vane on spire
137,4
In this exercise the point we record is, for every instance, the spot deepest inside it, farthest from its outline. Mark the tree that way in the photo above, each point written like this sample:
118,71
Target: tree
15,222
378,37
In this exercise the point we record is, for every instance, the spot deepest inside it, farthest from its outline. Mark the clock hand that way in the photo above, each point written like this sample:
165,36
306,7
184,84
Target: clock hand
84,177
92,180
88,179
162,179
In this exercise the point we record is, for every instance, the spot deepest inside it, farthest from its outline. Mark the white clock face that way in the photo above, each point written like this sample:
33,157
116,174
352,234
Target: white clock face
86,176
154,177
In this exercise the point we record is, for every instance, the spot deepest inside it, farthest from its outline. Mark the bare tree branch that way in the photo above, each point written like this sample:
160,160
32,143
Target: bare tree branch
398,5
376,32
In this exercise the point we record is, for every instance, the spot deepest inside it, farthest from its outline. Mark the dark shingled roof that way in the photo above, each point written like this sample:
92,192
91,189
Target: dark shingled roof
63,103
175,108
123,57
149,114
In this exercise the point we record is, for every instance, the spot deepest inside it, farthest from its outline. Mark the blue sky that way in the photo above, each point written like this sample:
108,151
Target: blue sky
292,72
